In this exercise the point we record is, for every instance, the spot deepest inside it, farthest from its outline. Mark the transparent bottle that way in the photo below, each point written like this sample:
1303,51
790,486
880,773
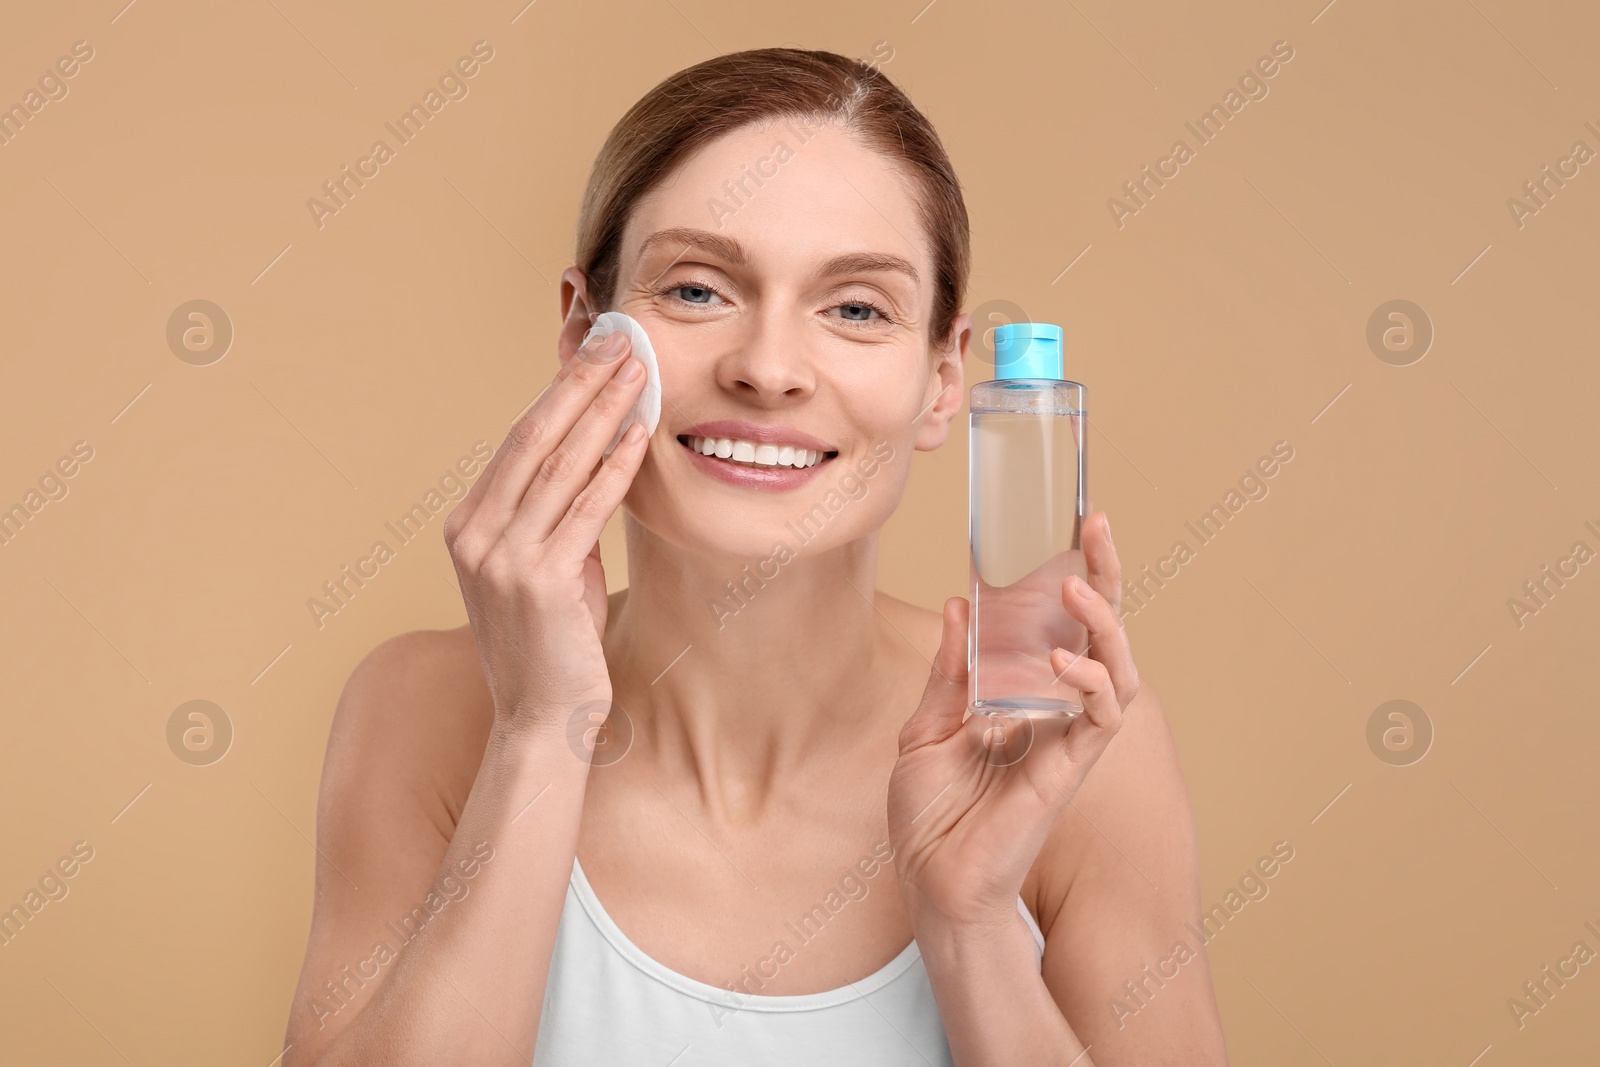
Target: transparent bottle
1027,506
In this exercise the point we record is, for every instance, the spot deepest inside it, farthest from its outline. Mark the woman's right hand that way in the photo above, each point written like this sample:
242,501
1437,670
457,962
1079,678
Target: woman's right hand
526,539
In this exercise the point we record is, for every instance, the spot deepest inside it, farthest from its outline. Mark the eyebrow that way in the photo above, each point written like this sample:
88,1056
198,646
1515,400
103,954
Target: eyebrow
866,262
732,251
722,247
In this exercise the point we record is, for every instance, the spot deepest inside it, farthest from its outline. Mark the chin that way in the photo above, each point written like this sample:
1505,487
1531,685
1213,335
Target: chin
711,525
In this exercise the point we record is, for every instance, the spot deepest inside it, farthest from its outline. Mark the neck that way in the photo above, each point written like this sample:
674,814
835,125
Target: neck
741,671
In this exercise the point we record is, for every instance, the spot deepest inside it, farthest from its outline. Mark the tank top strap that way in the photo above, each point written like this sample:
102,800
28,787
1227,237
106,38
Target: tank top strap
1033,928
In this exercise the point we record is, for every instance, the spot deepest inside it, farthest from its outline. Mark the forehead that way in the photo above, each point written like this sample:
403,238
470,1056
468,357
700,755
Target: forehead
785,188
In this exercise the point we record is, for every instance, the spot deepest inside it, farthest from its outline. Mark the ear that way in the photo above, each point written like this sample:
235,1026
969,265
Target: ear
576,314
946,387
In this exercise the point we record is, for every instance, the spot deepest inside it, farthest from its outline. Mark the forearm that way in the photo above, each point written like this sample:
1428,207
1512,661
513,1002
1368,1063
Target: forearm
994,1005
468,987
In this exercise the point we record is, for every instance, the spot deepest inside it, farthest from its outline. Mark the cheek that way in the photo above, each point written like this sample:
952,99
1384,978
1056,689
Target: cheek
686,369
883,395
873,479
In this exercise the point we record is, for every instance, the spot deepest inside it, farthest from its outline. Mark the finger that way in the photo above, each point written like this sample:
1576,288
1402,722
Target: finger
577,535
1102,709
1108,641
1105,569
944,698
539,430
567,470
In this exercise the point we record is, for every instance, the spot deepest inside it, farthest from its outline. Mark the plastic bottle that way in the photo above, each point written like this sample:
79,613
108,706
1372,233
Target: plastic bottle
1027,506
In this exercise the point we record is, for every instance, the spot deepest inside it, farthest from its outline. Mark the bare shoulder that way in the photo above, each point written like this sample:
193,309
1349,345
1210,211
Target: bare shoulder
404,748
1117,888
1130,824
919,626
417,708
1131,820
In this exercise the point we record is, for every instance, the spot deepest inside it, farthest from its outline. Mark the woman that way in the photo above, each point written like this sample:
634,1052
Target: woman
799,857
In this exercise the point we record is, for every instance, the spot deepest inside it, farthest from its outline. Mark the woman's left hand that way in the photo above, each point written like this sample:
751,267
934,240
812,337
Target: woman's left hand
966,818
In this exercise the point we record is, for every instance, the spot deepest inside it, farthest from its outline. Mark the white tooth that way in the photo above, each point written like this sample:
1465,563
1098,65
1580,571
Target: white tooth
810,457
767,454
743,451
724,447
707,446
786,455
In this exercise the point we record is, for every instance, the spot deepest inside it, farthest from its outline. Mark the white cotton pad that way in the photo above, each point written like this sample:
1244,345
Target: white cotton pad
647,408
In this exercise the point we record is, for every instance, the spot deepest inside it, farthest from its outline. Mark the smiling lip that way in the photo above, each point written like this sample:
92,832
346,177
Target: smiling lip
748,476
753,431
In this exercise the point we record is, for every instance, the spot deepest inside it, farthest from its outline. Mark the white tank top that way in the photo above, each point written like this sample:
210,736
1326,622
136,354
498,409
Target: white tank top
606,1002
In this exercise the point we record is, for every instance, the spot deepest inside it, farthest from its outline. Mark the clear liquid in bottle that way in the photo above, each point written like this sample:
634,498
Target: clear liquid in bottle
1028,501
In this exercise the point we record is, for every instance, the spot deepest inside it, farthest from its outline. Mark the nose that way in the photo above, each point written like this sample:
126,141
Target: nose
769,364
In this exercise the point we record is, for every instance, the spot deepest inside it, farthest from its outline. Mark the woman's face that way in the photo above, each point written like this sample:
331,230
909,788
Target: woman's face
786,283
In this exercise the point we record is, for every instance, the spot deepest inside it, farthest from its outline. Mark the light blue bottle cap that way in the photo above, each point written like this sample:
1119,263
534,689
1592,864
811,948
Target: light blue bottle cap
1028,350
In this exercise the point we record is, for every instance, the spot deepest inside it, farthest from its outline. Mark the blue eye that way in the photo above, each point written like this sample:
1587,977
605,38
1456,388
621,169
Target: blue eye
860,313
696,294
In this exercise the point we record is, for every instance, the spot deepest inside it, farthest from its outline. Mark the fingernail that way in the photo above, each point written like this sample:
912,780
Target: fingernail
629,370
603,346
1109,541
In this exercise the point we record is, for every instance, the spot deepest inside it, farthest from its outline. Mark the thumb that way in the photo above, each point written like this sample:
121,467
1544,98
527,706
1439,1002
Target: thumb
944,700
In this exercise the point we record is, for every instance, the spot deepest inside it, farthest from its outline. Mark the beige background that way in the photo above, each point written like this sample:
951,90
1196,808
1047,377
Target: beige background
1228,314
